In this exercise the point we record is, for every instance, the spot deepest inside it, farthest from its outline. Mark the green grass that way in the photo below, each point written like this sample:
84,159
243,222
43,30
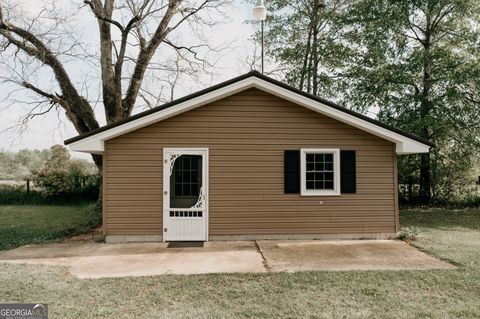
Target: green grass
25,224
452,235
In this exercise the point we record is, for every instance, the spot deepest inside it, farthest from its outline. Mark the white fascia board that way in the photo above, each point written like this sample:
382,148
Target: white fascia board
412,148
95,143
404,145
88,145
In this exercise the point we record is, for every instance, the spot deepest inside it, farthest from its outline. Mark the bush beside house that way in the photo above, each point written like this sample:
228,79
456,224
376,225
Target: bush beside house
48,177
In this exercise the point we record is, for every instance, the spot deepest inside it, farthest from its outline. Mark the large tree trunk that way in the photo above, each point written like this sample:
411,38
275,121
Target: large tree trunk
304,72
113,52
98,160
425,184
316,59
425,110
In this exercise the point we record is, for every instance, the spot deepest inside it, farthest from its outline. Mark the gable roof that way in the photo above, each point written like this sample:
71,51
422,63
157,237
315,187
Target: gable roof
93,141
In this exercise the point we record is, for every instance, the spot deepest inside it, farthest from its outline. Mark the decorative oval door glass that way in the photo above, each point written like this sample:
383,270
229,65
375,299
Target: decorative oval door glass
186,182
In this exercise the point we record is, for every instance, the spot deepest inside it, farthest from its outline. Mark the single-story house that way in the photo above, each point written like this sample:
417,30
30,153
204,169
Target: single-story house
250,158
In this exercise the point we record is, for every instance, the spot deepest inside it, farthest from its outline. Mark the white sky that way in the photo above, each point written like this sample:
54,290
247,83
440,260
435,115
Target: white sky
43,132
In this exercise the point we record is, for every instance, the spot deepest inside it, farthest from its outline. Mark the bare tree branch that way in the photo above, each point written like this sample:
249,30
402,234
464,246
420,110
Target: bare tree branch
146,54
33,47
41,92
99,12
81,114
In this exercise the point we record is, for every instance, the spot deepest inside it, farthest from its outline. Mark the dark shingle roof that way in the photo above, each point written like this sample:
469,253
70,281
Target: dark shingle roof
237,79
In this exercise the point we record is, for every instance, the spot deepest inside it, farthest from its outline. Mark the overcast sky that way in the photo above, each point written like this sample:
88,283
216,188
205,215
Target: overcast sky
45,131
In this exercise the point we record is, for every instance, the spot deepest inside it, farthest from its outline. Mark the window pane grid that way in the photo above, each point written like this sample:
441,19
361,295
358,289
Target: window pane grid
186,172
319,171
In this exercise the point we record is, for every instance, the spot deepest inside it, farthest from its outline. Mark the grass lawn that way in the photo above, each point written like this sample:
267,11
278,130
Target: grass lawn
25,224
453,235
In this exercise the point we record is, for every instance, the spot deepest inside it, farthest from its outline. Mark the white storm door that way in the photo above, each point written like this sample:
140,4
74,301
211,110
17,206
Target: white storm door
185,194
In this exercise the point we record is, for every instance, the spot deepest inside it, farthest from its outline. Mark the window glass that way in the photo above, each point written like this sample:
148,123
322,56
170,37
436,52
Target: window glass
319,173
186,174
185,181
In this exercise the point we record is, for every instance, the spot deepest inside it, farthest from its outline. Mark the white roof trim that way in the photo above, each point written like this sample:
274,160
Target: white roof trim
95,143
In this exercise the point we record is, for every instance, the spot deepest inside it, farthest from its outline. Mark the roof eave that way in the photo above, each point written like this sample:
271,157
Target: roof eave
93,142
88,146
411,148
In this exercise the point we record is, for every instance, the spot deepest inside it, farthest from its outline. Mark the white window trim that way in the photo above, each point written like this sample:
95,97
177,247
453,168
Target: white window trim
336,172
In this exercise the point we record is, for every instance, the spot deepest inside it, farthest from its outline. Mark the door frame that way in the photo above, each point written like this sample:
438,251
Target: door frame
166,181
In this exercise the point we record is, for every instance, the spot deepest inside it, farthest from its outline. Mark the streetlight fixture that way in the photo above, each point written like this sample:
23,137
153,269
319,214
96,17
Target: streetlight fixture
260,14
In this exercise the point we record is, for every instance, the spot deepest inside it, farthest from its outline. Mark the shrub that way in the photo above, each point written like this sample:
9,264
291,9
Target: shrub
18,195
61,175
471,201
409,233
57,182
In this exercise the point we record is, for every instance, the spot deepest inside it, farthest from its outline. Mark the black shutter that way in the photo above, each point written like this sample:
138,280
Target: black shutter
348,178
292,172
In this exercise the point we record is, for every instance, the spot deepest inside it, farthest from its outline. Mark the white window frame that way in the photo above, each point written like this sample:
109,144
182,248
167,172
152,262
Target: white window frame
336,172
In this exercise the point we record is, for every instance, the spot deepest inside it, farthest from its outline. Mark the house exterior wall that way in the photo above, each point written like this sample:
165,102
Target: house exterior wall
247,134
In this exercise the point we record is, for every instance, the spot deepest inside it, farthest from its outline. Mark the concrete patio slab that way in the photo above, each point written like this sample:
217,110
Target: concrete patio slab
94,260
86,259
291,256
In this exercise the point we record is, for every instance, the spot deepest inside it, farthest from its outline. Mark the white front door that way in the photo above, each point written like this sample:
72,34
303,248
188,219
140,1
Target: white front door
185,194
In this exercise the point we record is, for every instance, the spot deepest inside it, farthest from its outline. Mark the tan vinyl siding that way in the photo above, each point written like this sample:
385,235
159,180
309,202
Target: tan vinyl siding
247,134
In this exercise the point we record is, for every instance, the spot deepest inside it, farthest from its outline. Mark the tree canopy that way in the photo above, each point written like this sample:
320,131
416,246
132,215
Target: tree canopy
414,64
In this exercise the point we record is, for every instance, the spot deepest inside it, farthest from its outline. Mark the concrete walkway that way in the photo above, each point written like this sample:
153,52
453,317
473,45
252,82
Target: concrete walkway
86,259
345,255
95,260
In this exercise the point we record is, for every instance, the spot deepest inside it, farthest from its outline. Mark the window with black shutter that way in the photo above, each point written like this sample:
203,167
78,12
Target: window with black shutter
292,171
319,172
348,179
